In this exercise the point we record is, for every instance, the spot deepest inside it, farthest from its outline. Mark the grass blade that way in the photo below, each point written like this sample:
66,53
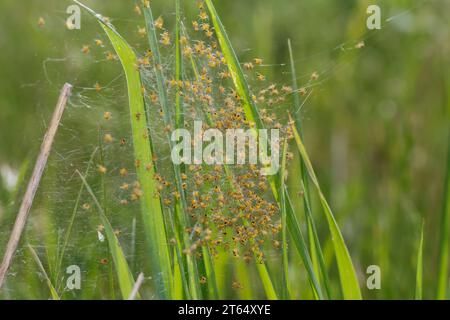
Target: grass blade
285,261
266,281
68,231
234,67
153,41
152,213
261,267
445,218
444,238
52,289
124,275
179,119
349,280
250,110
315,247
34,182
297,237
419,271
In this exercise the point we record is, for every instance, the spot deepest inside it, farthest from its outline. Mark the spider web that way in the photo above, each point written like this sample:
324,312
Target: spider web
82,132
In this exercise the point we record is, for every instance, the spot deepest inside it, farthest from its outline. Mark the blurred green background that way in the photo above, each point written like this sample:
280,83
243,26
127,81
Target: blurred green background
376,123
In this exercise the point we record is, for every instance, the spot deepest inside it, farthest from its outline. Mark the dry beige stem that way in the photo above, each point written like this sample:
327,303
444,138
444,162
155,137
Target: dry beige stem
137,286
34,182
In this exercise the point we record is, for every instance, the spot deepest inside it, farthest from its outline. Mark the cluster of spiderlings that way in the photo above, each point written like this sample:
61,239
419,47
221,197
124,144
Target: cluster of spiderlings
232,211
230,208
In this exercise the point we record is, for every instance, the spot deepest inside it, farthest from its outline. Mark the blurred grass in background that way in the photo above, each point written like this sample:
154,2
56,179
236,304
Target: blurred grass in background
376,124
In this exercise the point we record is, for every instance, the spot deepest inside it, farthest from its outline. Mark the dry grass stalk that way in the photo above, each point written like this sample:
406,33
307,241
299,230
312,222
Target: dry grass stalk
34,182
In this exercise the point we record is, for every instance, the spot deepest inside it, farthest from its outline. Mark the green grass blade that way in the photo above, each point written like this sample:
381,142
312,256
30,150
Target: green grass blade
178,284
250,110
179,114
153,41
266,281
297,237
262,268
160,81
151,206
52,289
444,237
152,214
419,271
213,292
179,263
315,247
104,205
349,280
445,218
68,231
234,67
124,275
243,276
285,261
